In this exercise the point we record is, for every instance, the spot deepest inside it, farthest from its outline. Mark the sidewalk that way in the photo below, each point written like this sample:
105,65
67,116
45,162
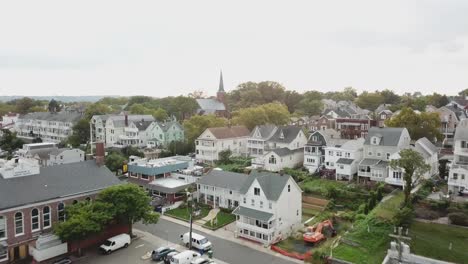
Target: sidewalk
145,236
224,233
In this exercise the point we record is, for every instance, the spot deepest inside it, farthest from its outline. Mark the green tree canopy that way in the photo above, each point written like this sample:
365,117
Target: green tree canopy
115,160
53,106
9,142
272,113
390,97
80,133
129,204
413,166
369,101
97,109
418,125
195,125
251,94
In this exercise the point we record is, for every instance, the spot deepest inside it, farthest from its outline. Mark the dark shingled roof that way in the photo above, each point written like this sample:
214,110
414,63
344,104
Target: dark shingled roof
285,134
142,125
266,131
272,184
60,116
55,182
390,136
224,179
229,132
252,213
344,161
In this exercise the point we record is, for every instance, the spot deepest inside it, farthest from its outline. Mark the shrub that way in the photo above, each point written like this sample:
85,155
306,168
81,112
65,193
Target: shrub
348,216
404,217
372,200
425,214
331,204
458,218
332,192
360,217
439,205
379,194
361,208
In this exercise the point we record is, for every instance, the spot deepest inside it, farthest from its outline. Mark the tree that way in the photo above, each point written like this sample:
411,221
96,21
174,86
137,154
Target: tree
413,166
292,99
418,125
194,126
390,97
37,140
310,107
138,109
225,156
251,94
114,161
24,105
463,93
160,114
97,109
369,101
272,113
80,133
83,220
53,106
130,204
197,94
132,151
9,142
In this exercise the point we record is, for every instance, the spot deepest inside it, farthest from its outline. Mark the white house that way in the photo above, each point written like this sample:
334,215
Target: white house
314,150
65,156
216,139
430,155
380,145
458,176
50,127
271,207
221,188
9,120
276,147
344,159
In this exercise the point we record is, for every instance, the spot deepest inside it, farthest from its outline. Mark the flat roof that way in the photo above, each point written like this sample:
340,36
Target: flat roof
168,185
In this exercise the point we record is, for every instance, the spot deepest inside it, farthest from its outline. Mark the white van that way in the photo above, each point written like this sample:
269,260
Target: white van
115,242
198,241
184,257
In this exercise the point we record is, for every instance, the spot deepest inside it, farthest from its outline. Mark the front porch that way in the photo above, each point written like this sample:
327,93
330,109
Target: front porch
255,225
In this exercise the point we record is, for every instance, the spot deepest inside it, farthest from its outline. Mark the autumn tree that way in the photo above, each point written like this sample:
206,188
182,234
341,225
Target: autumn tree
413,166
419,125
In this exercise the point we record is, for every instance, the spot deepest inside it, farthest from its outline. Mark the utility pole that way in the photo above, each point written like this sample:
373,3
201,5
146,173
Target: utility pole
400,238
191,219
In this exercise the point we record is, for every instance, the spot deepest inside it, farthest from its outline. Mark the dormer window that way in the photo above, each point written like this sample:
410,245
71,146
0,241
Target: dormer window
375,140
281,136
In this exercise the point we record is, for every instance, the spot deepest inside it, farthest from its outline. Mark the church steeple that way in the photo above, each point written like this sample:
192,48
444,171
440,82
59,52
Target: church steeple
221,83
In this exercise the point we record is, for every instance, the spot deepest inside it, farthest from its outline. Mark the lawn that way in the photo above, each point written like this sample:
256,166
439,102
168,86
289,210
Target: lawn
184,214
308,213
320,186
432,240
223,219
369,240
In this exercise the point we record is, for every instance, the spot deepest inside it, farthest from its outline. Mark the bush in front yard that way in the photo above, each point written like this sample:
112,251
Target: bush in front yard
458,218
425,214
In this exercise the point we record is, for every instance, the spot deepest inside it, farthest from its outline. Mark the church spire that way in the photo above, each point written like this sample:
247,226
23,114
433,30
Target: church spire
221,83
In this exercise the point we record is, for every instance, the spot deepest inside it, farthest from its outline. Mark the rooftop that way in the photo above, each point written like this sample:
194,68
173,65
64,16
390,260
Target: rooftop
229,132
168,185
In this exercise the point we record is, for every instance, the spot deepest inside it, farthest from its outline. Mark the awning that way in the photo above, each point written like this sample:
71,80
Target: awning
252,213
345,161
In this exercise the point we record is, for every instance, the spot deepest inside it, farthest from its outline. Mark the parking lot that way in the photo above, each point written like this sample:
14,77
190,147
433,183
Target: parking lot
132,254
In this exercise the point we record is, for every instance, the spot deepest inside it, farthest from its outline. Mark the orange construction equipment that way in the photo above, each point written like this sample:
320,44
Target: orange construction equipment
314,234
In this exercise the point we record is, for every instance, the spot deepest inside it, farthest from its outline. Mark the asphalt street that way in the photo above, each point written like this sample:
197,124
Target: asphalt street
224,250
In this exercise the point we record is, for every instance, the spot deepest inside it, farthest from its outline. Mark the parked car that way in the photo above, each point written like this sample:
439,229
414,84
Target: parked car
202,261
115,242
198,241
167,258
159,253
184,257
63,261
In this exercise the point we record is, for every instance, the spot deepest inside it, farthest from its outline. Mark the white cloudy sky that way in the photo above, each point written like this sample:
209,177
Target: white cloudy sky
162,48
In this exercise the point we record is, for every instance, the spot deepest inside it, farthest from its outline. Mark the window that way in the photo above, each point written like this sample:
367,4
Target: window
330,153
463,144
289,188
46,217
397,174
2,229
19,229
341,166
61,212
257,191
463,176
272,160
379,154
253,202
369,153
35,220
261,204
374,141
270,205
338,153
347,155
455,176
297,212
388,156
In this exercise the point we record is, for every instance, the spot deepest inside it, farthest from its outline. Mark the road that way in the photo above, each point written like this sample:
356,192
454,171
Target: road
224,250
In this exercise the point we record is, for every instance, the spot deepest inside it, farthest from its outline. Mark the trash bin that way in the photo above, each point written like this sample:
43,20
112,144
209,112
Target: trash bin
210,254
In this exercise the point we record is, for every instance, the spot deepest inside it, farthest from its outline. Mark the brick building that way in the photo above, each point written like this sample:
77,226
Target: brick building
33,198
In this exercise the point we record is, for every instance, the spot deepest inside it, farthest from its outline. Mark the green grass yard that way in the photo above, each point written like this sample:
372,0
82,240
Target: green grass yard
223,219
432,240
184,214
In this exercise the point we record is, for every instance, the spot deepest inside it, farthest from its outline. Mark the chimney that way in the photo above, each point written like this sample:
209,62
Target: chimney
100,153
126,120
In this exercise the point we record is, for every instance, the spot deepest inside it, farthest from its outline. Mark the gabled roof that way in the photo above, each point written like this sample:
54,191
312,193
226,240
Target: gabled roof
389,136
282,152
461,133
59,151
165,126
224,179
119,120
353,144
266,131
210,105
60,116
272,184
285,134
330,135
55,182
142,125
229,132
426,145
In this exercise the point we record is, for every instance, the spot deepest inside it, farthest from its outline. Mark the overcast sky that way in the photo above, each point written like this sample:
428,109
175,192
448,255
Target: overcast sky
163,48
